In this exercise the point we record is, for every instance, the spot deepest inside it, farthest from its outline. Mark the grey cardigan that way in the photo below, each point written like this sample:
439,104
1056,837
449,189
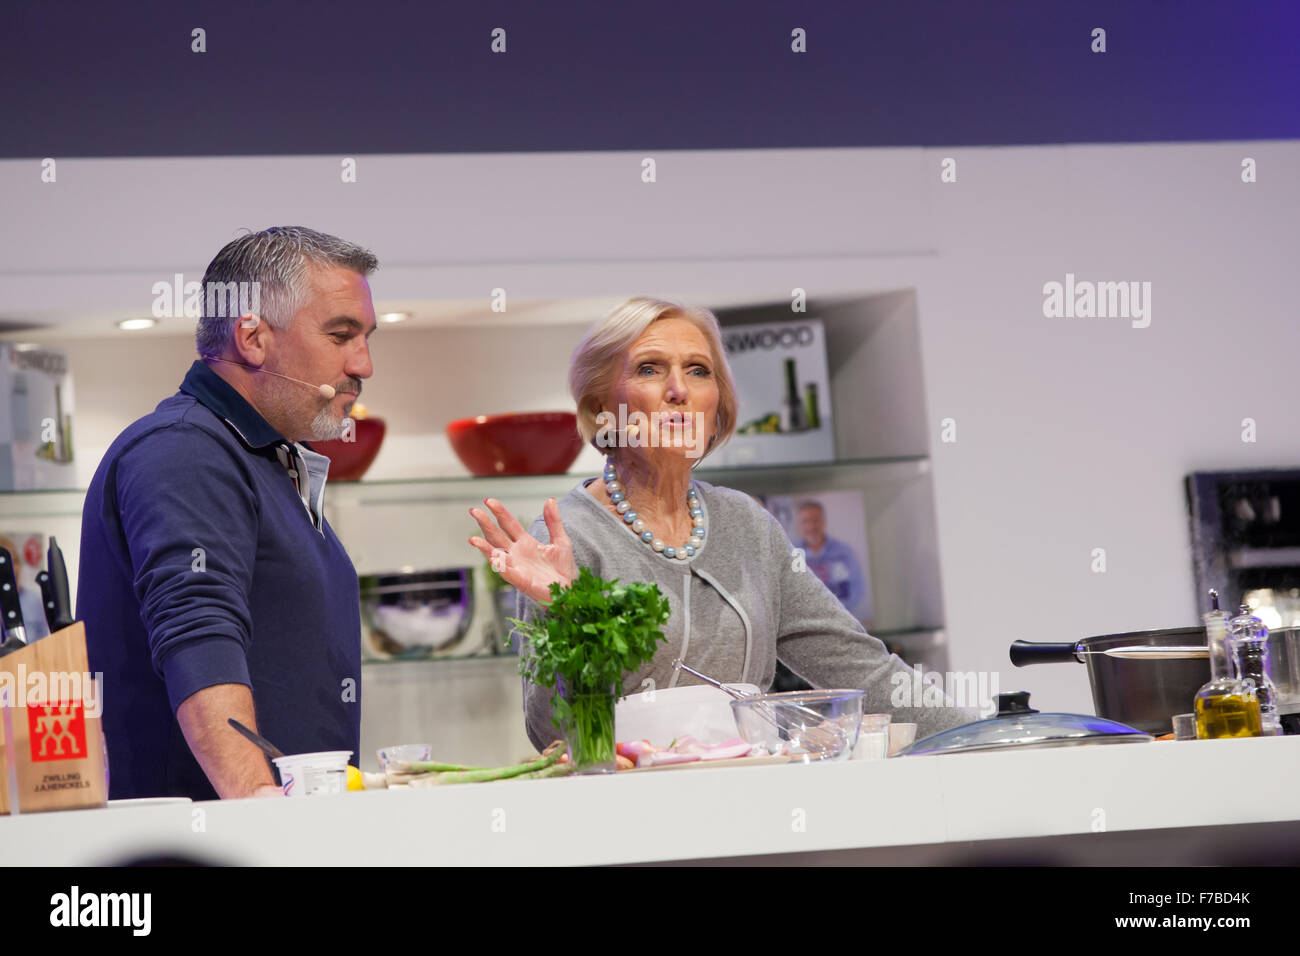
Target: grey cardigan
737,606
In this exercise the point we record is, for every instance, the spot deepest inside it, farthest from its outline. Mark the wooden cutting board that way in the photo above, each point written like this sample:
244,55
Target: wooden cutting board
702,764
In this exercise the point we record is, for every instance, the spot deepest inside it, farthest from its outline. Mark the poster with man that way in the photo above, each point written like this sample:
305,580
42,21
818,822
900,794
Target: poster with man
830,528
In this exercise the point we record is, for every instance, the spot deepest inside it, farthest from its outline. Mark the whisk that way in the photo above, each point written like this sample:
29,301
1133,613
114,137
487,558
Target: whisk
793,720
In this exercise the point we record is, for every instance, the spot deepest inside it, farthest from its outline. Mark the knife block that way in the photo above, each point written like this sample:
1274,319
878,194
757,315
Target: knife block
53,756
4,754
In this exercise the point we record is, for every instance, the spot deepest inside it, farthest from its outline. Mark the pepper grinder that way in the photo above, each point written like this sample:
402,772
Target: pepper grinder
1248,638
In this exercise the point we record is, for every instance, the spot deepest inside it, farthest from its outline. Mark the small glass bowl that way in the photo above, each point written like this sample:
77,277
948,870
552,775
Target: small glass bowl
404,752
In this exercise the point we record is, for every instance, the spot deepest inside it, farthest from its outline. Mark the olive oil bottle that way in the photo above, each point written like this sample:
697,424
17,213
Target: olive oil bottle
1226,715
1226,706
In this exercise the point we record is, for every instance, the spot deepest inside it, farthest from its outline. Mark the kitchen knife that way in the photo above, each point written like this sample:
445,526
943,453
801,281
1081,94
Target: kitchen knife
47,598
11,611
58,587
268,748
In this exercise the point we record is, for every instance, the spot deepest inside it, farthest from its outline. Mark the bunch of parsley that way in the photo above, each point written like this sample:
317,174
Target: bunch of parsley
593,633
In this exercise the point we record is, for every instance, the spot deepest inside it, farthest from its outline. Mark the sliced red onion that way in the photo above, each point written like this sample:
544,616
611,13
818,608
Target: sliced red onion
727,751
635,748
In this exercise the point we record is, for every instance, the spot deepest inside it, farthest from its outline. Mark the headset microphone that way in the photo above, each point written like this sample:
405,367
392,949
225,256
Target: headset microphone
326,391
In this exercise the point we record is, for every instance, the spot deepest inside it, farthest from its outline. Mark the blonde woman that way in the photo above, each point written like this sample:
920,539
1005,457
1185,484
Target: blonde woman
655,394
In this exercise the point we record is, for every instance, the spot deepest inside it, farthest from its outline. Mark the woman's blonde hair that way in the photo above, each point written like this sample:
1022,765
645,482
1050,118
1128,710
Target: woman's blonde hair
597,360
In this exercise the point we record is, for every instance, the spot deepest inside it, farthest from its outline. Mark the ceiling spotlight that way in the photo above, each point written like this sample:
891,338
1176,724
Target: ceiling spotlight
134,325
391,318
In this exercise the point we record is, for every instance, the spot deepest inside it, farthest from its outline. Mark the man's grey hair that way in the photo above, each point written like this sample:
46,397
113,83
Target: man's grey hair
275,264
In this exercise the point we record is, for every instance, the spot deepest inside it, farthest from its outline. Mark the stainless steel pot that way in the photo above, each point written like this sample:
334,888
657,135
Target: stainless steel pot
1147,693
1284,665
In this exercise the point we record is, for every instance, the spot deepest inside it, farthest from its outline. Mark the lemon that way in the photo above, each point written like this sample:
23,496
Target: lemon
355,780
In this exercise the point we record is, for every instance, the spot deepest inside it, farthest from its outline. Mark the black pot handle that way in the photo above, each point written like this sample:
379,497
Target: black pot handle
1030,652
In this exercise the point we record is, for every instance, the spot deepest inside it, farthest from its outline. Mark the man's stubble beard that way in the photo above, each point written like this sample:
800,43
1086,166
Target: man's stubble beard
325,427
291,404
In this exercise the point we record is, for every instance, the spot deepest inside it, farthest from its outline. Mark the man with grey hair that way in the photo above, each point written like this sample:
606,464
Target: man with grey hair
831,559
210,583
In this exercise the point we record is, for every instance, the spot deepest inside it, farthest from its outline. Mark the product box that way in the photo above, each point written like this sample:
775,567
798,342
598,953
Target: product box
783,387
35,420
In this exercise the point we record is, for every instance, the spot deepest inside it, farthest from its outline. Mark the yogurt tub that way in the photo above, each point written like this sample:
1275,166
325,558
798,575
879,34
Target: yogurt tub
313,775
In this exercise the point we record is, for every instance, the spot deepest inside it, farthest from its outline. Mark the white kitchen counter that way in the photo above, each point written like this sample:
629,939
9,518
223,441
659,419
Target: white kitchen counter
700,814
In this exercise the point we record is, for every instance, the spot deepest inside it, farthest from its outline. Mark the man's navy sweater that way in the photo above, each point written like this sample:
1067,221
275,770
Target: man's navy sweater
201,565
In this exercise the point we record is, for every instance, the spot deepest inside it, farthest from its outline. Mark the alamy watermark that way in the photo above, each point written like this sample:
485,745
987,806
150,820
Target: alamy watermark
40,688
126,910
921,688
657,429
1085,299
219,300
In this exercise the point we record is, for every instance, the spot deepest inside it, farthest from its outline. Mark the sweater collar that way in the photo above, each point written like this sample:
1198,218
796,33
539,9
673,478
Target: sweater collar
219,396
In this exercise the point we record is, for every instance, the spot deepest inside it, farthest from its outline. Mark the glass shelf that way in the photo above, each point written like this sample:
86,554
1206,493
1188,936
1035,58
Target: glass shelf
39,492
422,523
467,488
910,635
468,659
913,637
42,503
448,486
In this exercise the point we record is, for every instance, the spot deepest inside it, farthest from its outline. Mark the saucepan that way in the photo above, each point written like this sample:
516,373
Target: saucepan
1145,678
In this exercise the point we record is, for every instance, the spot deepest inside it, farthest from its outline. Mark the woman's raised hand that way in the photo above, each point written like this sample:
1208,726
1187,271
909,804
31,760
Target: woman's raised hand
520,558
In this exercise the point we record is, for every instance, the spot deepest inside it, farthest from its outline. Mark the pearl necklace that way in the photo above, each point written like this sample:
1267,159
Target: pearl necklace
634,522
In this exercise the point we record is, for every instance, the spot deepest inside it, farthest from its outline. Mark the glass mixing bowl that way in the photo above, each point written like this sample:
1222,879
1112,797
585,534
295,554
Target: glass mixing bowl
807,724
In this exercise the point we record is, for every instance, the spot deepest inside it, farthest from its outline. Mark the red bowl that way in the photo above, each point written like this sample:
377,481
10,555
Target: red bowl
349,460
517,443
